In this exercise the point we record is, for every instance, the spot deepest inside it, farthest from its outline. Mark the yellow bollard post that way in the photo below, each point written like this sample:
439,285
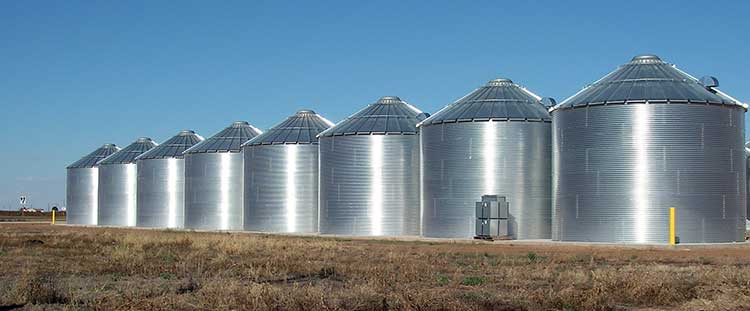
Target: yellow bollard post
671,226
53,217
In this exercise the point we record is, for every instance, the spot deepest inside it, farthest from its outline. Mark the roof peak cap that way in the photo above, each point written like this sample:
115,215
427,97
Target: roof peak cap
236,124
389,100
645,58
499,81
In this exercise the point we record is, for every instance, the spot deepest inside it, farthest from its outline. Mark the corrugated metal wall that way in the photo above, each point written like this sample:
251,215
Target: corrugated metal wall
213,191
369,185
281,188
617,169
463,161
82,196
161,193
117,195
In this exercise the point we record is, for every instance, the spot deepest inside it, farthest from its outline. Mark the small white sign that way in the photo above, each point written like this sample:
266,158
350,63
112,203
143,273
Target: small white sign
23,200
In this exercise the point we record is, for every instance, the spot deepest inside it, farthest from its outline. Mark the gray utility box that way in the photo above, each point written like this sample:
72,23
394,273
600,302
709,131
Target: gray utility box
492,216
492,227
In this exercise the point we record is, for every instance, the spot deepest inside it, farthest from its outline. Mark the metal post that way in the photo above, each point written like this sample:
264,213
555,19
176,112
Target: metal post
671,226
53,217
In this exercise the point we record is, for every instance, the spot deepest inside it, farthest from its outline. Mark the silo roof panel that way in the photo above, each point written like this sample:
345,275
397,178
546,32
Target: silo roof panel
389,115
647,78
173,147
229,139
128,154
92,159
300,128
499,99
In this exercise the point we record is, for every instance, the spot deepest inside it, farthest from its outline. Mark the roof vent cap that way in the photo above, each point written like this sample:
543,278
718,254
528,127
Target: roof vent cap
186,133
143,139
709,81
305,111
549,102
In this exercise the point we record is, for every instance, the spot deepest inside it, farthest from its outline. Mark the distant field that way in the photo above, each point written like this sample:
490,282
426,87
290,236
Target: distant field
63,267
14,216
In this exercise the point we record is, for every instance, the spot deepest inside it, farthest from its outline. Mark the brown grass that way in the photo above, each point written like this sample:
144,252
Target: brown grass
67,268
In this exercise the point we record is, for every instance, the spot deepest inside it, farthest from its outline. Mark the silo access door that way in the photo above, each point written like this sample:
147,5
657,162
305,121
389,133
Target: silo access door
492,218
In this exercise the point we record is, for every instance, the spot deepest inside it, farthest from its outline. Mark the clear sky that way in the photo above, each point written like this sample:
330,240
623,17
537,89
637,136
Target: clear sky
75,75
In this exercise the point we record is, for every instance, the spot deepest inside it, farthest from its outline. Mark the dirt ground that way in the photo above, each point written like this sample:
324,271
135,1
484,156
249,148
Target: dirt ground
48,267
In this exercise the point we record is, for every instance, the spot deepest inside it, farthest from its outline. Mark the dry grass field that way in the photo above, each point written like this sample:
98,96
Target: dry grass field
68,268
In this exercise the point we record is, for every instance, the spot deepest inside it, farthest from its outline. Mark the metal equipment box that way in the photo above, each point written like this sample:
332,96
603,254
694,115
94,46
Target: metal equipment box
492,217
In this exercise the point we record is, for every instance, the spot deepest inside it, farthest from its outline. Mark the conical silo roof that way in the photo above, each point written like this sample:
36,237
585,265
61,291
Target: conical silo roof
128,154
229,139
95,157
173,147
498,100
301,128
389,115
646,78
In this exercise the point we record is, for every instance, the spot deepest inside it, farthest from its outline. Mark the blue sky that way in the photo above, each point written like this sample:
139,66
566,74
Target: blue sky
76,75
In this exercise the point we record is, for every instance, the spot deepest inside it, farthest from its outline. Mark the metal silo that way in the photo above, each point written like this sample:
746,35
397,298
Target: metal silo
747,178
494,141
369,172
161,182
117,185
82,184
281,175
643,139
213,179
